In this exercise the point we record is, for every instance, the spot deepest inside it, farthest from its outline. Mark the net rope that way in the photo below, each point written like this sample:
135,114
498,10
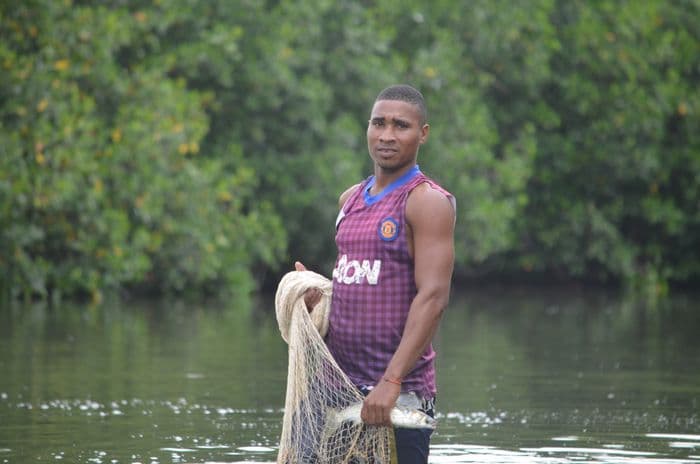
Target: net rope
317,389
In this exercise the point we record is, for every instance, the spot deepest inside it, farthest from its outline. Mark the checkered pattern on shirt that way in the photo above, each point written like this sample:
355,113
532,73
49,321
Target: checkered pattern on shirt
367,321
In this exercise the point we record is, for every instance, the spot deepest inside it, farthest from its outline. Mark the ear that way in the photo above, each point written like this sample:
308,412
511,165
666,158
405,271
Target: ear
424,131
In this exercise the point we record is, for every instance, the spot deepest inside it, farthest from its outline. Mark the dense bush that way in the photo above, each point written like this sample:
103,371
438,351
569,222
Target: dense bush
201,145
103,177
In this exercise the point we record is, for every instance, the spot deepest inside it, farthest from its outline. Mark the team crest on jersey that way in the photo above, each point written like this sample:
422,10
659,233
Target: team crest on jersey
388,229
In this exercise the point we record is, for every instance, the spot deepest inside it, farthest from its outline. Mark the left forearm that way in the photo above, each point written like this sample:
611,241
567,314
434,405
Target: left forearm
422,323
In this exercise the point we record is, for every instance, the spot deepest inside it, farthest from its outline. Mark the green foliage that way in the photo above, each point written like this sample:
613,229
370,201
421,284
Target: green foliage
615,189
195,145
104,184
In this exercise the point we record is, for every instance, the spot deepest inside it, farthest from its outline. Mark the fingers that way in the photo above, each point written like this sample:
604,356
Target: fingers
312,297
375,414
377,406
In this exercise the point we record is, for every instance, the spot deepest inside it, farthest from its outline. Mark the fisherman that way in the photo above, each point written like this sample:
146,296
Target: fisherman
391,282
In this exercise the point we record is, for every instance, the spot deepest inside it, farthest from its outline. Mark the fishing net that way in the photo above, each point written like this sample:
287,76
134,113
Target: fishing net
317,389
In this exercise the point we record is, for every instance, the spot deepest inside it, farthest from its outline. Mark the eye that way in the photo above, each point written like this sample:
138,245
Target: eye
377,123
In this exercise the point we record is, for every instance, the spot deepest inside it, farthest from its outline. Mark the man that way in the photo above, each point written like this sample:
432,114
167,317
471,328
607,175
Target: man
391,282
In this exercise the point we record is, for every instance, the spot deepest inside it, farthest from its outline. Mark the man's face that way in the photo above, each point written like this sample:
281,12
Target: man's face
394,134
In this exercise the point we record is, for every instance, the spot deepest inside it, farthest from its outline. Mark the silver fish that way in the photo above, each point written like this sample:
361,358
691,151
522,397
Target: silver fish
400,417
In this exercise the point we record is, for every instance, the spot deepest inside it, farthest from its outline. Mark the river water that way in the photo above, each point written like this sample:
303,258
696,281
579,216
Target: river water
526,375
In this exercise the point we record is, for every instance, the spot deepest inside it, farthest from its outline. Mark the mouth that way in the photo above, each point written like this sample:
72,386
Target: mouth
386,151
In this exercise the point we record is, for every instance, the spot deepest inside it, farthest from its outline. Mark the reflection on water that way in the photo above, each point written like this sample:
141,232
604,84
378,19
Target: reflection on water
524,375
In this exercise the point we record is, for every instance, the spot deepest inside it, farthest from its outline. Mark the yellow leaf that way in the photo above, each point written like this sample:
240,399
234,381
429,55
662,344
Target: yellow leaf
116,135
619,119
285,53
682,109
177,128
194,147
430,72
140,16
96,297
183,148
41,106
98,186
224,196
118,251
40,159
61,65
40,201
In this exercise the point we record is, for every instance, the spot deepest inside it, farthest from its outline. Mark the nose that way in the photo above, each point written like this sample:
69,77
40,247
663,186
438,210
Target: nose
387,134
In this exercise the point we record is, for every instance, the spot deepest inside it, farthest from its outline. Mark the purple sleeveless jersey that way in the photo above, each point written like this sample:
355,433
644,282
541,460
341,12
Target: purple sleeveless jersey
374,285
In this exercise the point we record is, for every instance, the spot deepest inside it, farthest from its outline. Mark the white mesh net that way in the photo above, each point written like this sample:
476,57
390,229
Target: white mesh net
317,389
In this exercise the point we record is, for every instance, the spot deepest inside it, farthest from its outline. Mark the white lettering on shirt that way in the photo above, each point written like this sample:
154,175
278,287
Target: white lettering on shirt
354,272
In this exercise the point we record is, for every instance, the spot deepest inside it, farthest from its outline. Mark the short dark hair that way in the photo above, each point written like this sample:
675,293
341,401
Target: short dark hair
407,94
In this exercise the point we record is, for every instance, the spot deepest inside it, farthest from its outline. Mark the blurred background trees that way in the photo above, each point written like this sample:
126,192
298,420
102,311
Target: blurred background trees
197,145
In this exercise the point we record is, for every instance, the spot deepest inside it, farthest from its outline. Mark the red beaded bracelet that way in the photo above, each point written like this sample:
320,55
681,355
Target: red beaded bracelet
394,381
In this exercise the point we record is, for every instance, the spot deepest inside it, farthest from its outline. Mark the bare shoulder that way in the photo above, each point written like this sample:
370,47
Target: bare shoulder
430,205
347,194
430,216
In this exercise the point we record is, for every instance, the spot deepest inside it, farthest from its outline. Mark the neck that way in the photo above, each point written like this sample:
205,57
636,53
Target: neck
384,177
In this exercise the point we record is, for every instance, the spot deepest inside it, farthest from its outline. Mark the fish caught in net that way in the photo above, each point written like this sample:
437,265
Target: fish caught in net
320,399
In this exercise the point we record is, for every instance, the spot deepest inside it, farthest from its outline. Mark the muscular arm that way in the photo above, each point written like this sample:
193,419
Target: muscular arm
431,218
